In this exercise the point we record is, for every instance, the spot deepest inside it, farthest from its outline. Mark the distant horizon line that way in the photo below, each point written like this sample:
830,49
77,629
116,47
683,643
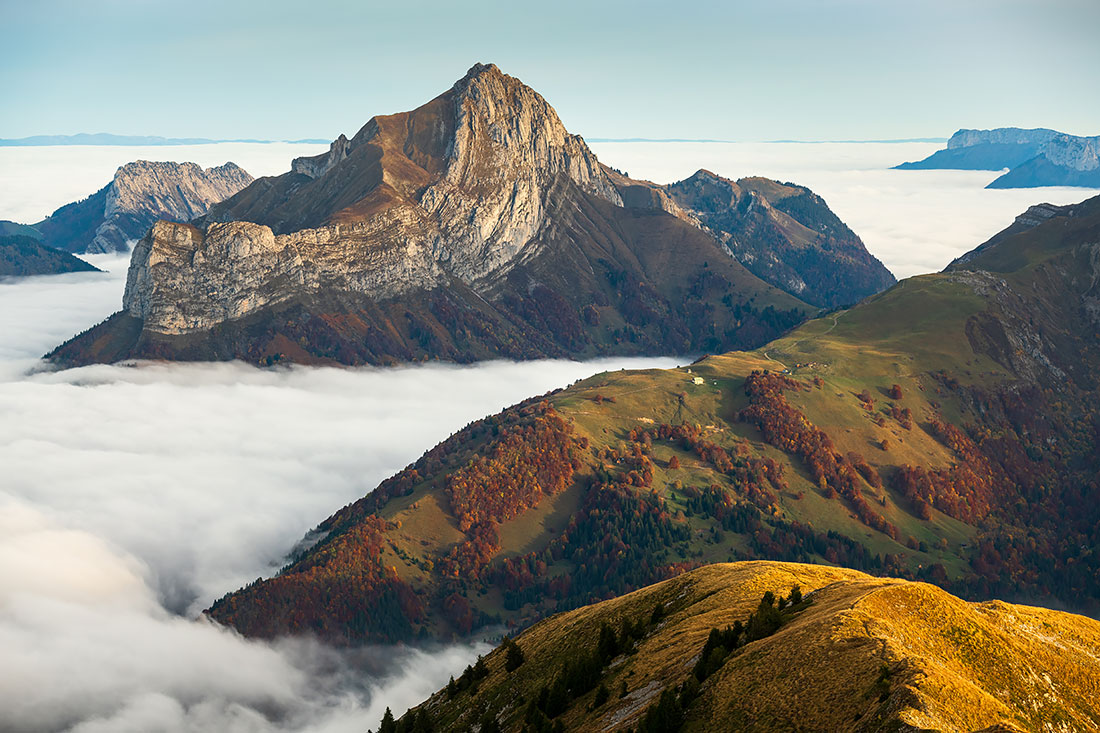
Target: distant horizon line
106,139
735,142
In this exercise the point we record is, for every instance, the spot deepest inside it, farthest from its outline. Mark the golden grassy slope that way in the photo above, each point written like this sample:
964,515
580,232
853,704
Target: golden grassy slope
868,654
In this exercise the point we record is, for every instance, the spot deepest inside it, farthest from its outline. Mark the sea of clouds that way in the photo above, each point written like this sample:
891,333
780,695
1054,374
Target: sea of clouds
35,181
914,221
131,498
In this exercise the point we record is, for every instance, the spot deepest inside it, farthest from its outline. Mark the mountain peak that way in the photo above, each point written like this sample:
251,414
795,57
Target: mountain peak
480,69
140,193
480,196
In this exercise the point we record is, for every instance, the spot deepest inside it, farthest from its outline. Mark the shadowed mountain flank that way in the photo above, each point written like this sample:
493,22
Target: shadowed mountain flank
475,226
943,430
140,193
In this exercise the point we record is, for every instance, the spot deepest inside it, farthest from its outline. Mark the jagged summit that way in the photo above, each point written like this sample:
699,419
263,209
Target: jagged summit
474,226
140,193
786,235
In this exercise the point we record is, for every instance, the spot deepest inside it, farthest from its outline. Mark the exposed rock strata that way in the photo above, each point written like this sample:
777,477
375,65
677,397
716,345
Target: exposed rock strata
1038,157
140,193
784,234
474,226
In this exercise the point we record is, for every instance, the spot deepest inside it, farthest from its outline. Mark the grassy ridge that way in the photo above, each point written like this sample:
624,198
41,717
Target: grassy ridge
944,431
863,654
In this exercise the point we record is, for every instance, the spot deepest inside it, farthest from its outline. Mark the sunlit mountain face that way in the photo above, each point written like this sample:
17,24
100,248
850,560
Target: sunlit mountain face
627,383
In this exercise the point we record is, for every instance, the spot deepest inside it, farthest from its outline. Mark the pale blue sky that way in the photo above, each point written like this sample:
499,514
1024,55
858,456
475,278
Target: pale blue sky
802,69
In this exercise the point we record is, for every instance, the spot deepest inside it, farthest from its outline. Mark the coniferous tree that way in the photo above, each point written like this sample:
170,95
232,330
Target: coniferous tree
489,724
513,655
608,647
423,722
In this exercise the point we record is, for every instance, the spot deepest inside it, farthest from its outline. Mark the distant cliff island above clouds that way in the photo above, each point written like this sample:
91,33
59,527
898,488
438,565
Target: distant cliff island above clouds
106,138
1034,158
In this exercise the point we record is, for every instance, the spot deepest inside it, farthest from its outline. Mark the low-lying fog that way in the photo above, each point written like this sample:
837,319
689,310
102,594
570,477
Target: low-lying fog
914,221
131,498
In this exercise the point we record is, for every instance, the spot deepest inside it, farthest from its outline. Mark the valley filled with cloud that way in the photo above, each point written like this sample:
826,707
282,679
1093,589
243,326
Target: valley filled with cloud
134,496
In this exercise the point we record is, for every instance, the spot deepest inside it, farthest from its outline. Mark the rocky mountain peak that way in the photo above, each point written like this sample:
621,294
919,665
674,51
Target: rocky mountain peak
508,148
184,190
478,69
477,209
318,165
140,193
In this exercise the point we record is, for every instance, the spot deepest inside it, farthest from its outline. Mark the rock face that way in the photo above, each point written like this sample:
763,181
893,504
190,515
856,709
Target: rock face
140,193
1036,137
785,235
1035,158
475,226
21,255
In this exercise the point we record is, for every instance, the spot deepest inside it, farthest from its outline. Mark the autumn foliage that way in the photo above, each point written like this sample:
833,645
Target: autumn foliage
323,594
964,491
788,429
528,461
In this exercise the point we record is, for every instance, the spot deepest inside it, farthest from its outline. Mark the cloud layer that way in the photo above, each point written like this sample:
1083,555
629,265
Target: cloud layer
88,648
914,221
133,497
35,181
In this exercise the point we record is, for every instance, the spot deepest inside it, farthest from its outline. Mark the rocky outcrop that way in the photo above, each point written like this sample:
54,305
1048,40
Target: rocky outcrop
1040,281
21,256
784,234
1065,160
236,268
1000,136
318,165
475,226
1035,158
140,193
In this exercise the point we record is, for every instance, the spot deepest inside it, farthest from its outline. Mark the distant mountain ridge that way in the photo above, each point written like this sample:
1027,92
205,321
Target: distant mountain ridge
21,256
1036,157
786,235
475,226
105,138
140,193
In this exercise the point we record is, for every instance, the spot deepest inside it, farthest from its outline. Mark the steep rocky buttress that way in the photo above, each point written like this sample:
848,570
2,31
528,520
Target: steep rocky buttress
475,226
140,193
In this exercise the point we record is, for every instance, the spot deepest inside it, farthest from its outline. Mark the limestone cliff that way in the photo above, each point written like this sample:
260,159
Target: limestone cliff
140,193
784,234
1038,157
474,226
